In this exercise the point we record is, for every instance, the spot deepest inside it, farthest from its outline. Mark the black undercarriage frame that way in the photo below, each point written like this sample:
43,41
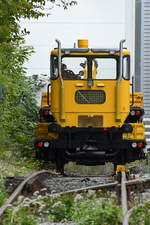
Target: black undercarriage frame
89,146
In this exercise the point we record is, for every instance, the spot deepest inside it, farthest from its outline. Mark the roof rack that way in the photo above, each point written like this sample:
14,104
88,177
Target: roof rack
94,50
73,50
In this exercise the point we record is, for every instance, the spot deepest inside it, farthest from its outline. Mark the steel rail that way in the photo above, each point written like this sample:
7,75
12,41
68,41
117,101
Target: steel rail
18,190
123,187
96,187
128,214
31,178
124,195
137,181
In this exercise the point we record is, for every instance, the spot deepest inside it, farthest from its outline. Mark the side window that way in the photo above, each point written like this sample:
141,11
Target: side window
126,67
54,67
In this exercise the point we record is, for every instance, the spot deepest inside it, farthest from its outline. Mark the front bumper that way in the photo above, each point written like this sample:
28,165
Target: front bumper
92,146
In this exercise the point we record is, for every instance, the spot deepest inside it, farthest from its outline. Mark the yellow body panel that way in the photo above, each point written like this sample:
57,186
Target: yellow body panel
138,100
72,110
42,131
44,99
138,132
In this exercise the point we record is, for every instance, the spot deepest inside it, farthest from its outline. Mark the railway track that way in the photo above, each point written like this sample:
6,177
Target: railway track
41,179
29,180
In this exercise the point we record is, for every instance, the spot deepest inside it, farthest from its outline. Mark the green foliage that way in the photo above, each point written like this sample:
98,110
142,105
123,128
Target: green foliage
87,210
60,208
17,113
3,194
19,108
141,215
96,212
11,11
66,208
1,94
38,81
20,216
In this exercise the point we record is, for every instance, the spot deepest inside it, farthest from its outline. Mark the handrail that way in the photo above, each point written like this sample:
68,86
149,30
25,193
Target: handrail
62,93
121,58
59,60
118,87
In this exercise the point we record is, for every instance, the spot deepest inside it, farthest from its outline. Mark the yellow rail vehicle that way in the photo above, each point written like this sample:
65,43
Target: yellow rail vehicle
88,114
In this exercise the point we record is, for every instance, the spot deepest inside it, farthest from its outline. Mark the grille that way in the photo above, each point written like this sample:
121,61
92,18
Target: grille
90,97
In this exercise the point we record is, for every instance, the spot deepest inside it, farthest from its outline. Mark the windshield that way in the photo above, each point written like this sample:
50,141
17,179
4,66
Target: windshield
79,67
104,68
74,68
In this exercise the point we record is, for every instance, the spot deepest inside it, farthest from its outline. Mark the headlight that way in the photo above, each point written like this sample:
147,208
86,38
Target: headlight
134,145
132,113
46,144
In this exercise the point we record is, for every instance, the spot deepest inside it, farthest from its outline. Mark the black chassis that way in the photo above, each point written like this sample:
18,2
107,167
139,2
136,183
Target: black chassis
90,146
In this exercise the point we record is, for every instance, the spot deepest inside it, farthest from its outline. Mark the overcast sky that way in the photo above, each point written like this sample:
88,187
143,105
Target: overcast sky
100,21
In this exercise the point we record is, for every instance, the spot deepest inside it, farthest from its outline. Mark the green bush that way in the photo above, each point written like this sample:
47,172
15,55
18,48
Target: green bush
3,194
66,208
22,216
141,215
94,212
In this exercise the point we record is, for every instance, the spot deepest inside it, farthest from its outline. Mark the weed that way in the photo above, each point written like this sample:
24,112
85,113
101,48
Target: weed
3,194
141,215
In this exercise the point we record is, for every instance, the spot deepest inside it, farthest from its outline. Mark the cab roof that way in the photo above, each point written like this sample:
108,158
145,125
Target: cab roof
90,51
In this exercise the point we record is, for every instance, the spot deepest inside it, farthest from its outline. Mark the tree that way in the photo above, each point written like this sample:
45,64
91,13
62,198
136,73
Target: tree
18,111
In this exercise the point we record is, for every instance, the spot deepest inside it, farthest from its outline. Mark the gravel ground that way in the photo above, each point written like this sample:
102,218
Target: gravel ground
141,170
61,184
